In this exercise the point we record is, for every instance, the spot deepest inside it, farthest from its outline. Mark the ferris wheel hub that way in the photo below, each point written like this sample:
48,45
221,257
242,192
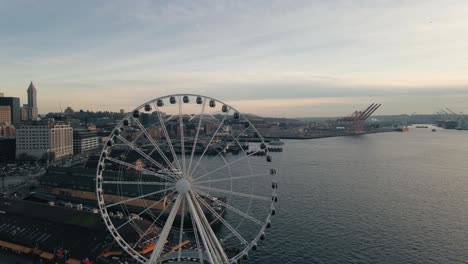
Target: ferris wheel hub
182,186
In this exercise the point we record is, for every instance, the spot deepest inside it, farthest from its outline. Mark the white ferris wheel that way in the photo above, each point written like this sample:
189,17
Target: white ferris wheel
186,178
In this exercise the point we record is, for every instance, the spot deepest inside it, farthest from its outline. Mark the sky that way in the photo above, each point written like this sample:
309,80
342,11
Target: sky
271,58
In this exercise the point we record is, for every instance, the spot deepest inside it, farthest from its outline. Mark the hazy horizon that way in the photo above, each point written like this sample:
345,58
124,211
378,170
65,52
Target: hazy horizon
270,58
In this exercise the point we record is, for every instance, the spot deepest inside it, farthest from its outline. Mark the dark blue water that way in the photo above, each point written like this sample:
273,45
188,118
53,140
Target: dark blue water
383,198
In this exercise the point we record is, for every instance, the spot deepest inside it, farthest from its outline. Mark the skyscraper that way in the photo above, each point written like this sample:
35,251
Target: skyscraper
5,114
32,102
15,112
24,112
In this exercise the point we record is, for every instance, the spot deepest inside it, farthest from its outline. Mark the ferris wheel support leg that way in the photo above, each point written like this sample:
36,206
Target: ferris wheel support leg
201,229
197,240
211,233
181,234
225,223
165,232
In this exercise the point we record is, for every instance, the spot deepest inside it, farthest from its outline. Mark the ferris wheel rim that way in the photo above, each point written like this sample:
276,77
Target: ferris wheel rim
99,184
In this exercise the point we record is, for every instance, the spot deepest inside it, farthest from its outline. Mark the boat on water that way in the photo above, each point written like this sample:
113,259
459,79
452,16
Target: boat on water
276,142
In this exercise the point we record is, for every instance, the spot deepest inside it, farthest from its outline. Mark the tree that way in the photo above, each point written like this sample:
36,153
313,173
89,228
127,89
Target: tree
48,156
45,157
51,156
26,157
23,156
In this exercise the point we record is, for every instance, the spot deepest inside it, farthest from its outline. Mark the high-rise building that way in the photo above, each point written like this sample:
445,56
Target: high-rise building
42,139
24,112
5,114
32,102
14,104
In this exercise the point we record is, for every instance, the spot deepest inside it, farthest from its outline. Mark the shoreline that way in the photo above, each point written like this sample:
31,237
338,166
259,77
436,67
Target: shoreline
327,136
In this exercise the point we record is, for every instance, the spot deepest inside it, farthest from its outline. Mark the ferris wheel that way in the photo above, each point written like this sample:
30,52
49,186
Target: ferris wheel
186,178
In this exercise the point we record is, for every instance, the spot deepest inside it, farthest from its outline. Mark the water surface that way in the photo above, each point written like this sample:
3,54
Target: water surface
381,198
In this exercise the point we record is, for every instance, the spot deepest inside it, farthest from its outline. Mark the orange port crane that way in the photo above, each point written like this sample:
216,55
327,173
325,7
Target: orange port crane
354,123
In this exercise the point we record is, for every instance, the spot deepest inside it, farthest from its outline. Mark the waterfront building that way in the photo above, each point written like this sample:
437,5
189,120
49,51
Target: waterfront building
55,233
40,139
84,141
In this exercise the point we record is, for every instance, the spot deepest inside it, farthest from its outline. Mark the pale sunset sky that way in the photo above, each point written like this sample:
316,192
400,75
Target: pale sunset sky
271,58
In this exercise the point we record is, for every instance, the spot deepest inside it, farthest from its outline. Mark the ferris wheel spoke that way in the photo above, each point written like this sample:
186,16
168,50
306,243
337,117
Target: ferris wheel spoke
151,140
196,135
165,232
227,165
232,178
236,139
139,197
138,183
201,229
206,188
168,139
225,223
182,137
146,210
181,234
209,143
233,209
145,171
143,154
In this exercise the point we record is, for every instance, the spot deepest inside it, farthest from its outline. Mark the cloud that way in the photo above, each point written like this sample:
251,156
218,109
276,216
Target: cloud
343,51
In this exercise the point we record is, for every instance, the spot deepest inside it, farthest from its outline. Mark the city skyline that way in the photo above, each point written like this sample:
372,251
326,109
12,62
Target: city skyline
268,58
